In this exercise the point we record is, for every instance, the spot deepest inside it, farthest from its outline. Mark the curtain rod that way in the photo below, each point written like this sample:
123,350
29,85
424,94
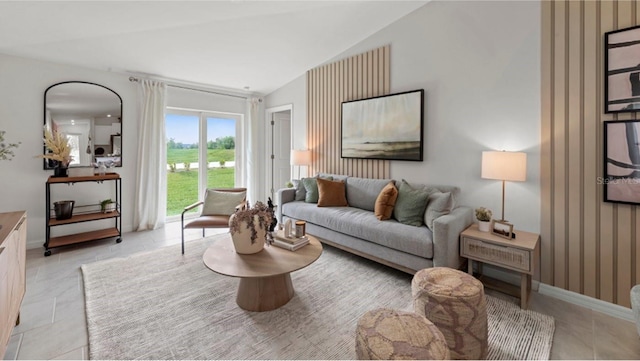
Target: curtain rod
134,79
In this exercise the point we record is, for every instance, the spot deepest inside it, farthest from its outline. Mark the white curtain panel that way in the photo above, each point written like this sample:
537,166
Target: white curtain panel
151,188
252,163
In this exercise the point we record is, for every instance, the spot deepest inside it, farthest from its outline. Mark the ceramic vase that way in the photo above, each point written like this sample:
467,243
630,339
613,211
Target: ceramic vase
59,171
484,226
242,239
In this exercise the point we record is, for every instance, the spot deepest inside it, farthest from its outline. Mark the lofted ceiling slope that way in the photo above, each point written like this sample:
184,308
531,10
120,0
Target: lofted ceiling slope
227,44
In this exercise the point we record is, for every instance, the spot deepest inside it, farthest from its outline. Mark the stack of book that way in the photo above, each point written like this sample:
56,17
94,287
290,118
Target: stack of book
290,243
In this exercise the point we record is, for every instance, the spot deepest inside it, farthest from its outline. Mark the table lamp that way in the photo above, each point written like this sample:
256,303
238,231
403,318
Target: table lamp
300,158
504,166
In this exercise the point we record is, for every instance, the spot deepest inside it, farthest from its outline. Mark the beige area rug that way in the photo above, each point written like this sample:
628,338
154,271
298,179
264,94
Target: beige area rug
162,305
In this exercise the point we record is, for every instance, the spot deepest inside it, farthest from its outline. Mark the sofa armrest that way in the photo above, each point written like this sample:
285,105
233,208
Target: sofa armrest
284,195
446,236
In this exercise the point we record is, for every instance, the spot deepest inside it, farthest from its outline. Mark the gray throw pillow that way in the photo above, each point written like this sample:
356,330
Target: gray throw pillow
221,203
300,191
438,205
410,205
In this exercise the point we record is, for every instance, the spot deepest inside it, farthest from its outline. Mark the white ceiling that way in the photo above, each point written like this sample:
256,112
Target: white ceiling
228,44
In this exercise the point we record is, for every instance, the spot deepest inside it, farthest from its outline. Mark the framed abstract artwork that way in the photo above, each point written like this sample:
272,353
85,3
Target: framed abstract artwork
622,70
621,179
384,127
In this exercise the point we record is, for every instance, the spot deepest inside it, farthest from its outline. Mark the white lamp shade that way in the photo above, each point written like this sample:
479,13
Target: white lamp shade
300,157
509,166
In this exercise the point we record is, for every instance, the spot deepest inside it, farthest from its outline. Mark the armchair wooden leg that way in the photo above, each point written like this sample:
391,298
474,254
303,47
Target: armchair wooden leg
182,228
203,233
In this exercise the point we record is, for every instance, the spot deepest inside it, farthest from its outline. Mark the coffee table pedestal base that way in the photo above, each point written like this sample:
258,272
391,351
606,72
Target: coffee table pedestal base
264,293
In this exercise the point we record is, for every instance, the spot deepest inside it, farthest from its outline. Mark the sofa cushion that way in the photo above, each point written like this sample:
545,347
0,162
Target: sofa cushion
363,192
410,205
335,177
386,201
363,224
438,205
331,193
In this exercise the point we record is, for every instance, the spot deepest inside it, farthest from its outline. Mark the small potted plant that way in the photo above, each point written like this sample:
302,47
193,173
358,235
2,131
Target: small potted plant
6,151
249,227
483,215
107,206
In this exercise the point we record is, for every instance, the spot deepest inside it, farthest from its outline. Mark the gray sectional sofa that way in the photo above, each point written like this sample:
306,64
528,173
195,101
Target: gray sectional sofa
356,229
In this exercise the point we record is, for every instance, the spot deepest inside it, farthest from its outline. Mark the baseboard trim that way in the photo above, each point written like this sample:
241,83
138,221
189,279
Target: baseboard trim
588,302
591,303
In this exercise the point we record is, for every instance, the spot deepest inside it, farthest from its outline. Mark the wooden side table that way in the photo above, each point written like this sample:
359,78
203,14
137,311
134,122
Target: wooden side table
521,254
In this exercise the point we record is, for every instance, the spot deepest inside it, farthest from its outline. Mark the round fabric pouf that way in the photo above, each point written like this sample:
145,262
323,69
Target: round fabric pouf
454,301
385,334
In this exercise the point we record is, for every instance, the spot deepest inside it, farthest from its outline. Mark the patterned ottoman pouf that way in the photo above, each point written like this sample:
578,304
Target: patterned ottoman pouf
385,334
454,301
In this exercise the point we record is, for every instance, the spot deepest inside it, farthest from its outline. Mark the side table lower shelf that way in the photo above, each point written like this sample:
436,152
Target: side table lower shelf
523,292
84,237
520,255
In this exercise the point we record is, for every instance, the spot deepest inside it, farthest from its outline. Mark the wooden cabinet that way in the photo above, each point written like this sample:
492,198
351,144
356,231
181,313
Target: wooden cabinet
521,254
13,238
102,135
83,213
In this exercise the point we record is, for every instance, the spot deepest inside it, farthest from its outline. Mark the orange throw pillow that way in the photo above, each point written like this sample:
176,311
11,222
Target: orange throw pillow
386,201
331,193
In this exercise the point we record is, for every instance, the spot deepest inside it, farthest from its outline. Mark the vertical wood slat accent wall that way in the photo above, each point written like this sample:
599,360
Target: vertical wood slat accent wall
588,246
360,76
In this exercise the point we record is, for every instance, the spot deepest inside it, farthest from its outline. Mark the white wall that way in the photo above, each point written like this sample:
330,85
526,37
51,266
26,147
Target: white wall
22,180
479,63
293,93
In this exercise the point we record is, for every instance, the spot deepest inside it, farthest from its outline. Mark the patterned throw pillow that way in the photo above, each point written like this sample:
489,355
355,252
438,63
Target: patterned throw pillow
221,203
386,201
410,205
331,193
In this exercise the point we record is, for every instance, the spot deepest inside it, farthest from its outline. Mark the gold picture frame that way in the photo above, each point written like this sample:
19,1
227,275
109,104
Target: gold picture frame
502,229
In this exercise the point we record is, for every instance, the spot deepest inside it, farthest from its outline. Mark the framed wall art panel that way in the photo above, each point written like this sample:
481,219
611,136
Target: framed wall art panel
622,70
621,179
385,127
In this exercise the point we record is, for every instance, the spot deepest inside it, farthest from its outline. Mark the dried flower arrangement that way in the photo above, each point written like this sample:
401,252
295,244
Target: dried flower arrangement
59,147
260,213
6,152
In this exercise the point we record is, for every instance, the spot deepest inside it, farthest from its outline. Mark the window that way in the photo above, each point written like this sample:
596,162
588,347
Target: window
74,143
199,141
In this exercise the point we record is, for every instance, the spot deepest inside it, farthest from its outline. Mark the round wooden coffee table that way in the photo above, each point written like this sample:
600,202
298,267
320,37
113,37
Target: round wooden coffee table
265,280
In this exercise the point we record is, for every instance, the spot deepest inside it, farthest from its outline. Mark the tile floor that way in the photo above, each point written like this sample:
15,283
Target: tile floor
53,324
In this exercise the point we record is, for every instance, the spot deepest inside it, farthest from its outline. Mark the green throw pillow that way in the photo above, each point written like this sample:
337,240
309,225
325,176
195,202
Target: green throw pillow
311,189
439,204
410,205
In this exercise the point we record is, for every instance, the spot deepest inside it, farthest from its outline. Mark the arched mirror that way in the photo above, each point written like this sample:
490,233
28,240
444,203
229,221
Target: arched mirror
90,115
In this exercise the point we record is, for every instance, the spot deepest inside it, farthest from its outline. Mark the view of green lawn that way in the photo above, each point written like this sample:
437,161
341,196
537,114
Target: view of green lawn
180,156
182,185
